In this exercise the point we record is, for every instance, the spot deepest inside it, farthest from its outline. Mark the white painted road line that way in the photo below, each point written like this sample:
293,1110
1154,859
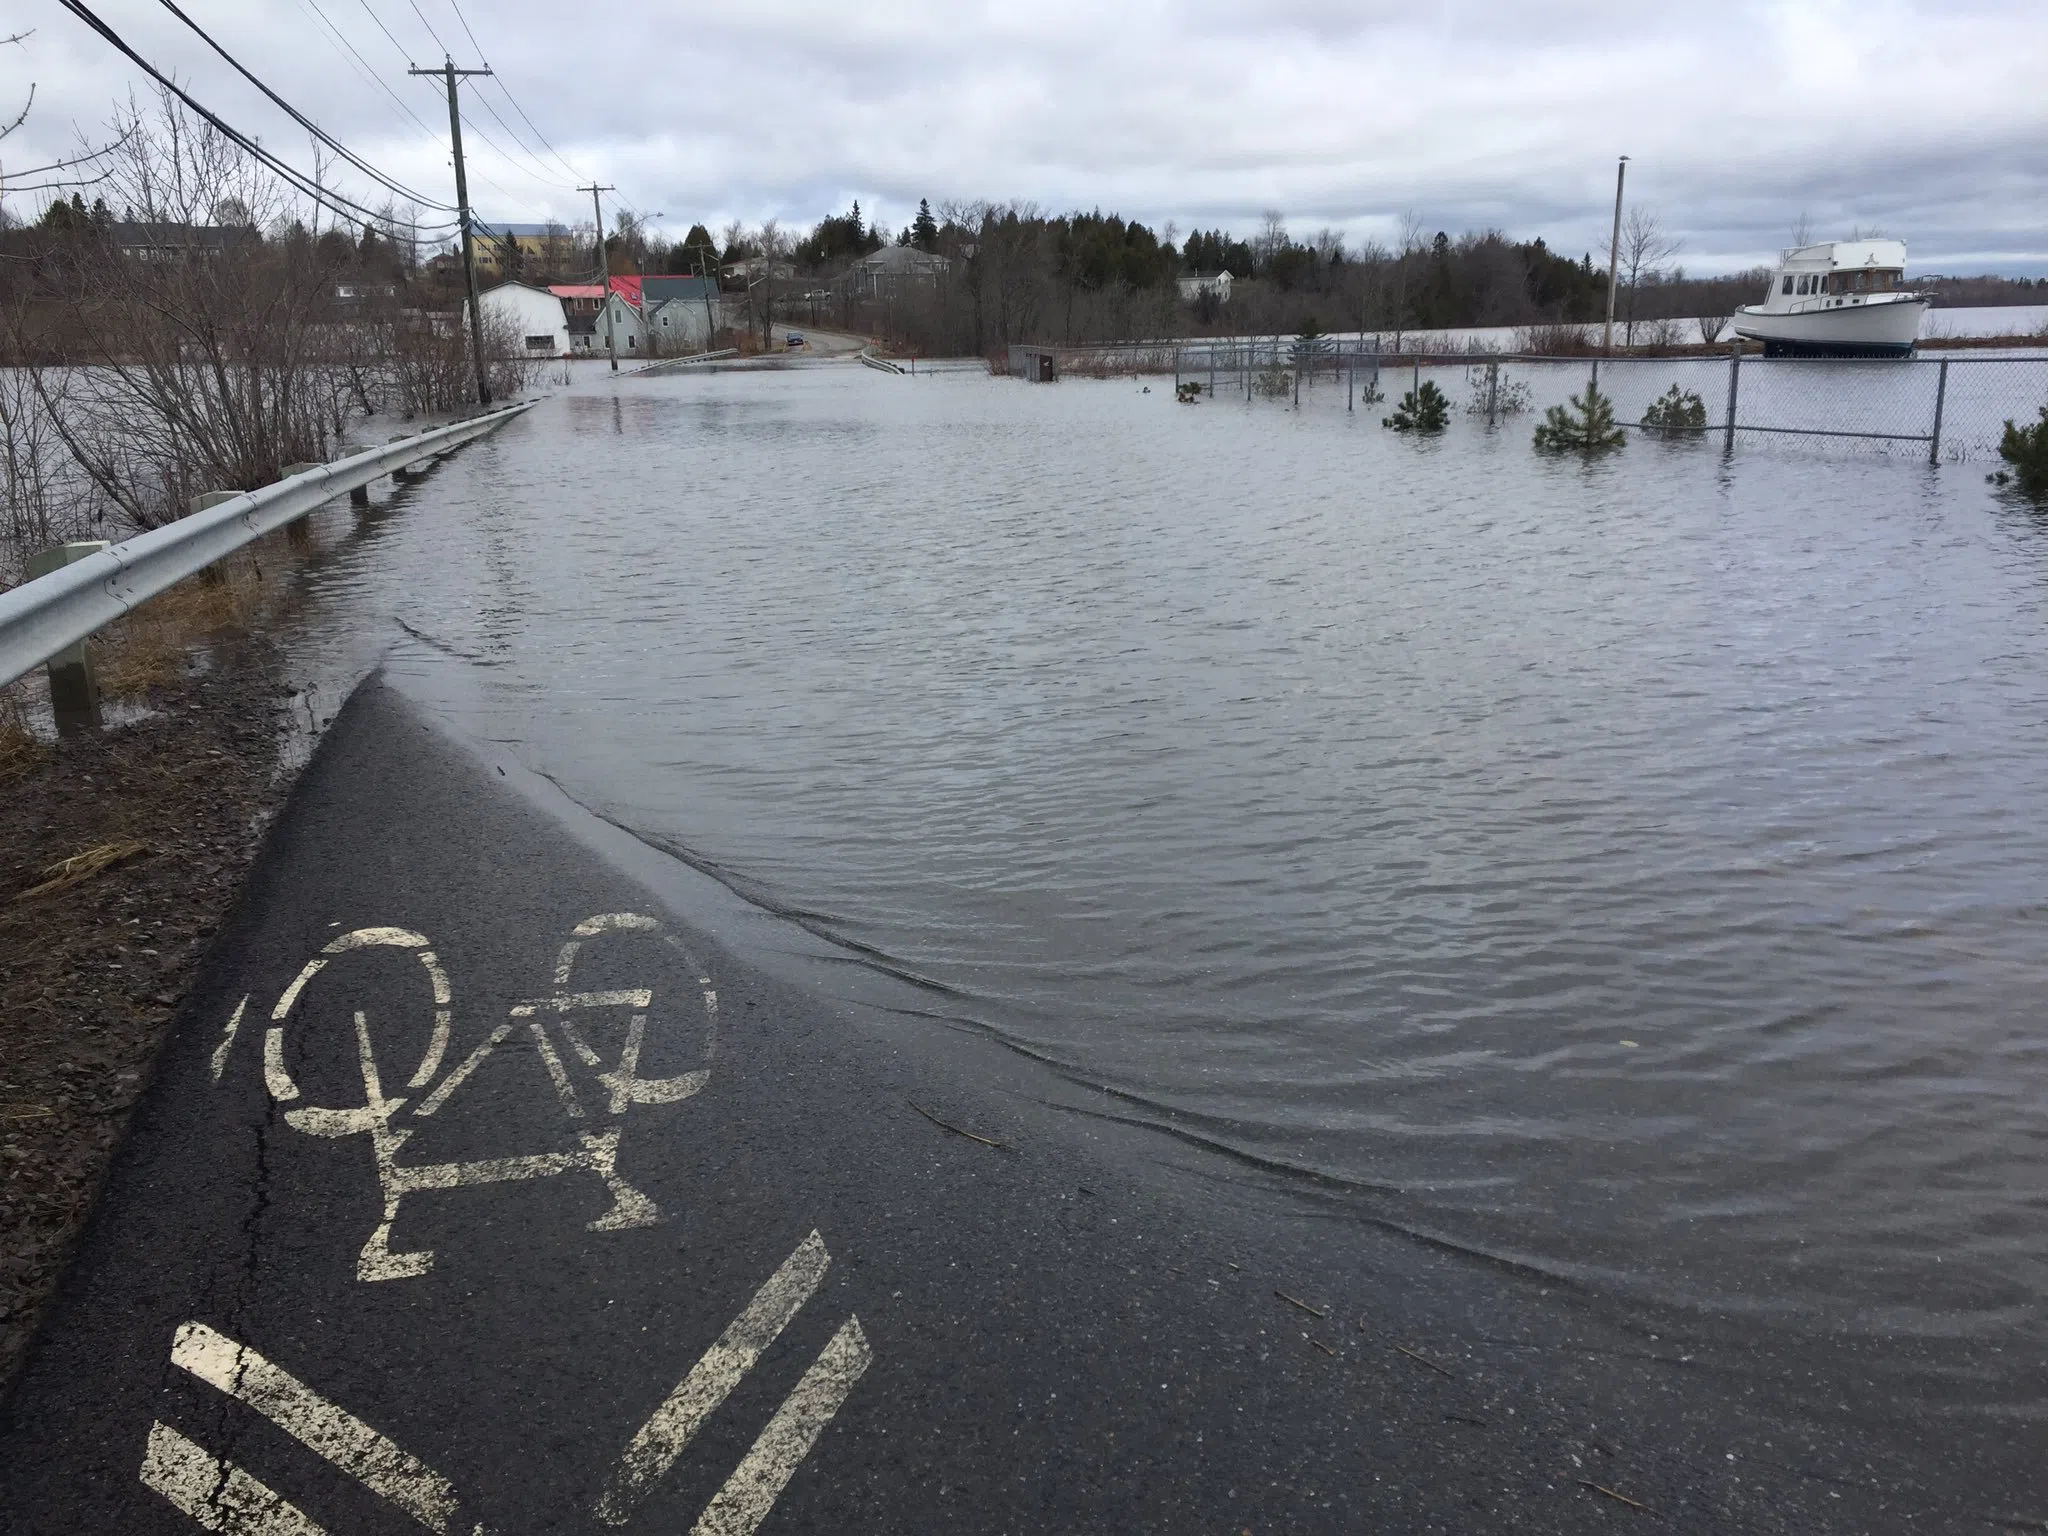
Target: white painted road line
460,1075
664,1437
227,1039
217,1494
331,1432
743,1503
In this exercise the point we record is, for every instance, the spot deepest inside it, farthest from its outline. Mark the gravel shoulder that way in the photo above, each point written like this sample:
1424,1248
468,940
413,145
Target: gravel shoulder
169,812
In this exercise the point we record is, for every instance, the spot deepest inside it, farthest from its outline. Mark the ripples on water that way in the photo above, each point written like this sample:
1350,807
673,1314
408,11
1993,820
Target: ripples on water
1627,869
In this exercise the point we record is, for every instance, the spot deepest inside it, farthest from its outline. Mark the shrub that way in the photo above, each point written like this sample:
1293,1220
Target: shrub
1676,413
1510,396
1273,381
1189,393
1555,340
1421,410
1588,427
2026,450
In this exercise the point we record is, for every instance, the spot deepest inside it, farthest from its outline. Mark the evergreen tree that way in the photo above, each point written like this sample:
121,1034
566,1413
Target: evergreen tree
924,229
1421,410
1588,427
2026,450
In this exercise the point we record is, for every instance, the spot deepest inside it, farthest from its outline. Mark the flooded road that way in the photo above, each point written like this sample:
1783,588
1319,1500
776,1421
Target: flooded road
1631,873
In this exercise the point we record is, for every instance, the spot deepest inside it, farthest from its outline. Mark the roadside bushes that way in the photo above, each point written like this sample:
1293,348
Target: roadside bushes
1424,409
2026,450
1587,427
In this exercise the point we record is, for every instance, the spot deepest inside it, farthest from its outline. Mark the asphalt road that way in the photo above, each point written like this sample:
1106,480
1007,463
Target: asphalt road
659,1240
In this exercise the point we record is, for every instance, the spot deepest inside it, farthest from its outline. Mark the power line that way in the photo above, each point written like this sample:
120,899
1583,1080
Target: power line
364,66
334,202
300,118
403,52
430,28
506,91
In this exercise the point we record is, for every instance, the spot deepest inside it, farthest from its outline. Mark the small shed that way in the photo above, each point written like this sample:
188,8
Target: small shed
1036,364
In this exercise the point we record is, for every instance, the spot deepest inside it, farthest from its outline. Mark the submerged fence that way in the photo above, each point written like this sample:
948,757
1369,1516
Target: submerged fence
1943,410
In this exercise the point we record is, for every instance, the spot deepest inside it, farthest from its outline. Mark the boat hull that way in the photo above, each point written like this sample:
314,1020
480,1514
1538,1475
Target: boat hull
1852,330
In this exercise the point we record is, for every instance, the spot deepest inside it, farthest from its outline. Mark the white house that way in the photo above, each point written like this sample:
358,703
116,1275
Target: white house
533,316
1193,286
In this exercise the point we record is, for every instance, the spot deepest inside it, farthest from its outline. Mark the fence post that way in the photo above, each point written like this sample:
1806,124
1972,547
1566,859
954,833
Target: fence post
1351,383
1734,378
1415,383
1176,370
1940,402
1492,390
1297,383
74,691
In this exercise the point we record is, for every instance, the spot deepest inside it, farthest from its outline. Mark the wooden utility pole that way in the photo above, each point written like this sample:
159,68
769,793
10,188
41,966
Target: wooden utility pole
604,268
451,74
1614,255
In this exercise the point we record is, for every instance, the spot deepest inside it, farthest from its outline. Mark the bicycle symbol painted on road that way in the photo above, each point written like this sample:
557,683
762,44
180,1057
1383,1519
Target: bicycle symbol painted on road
575,1015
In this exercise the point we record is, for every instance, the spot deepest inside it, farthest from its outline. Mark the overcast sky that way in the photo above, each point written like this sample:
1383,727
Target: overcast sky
1925,120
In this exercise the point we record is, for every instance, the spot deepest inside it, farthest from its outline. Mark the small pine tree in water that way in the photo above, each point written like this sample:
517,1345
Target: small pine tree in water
1676,413
1421,410
2026,450
1588,427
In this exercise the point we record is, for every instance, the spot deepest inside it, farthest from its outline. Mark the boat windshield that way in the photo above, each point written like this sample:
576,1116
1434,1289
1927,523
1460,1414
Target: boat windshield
1867,280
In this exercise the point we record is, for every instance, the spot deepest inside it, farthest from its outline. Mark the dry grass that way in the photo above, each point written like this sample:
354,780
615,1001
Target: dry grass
146,650
21,750
82,866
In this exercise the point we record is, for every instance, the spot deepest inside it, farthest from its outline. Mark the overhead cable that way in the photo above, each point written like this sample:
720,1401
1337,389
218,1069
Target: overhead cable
301,119
334,202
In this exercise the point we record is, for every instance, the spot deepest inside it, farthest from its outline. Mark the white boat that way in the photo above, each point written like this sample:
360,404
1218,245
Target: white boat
1842,298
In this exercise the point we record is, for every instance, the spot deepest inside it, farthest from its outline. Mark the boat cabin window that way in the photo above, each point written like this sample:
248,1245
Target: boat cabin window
1788,283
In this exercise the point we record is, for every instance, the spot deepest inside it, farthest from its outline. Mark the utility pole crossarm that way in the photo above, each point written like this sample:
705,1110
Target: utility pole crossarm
451,74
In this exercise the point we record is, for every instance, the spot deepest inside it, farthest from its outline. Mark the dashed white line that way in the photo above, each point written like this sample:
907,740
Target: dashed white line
331,1432
664,1436
757,1482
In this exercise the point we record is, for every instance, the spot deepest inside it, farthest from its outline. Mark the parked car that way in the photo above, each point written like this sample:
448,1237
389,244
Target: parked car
793,339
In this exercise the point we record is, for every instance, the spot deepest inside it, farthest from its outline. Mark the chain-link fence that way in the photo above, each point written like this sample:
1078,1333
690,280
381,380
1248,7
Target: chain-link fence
1931,408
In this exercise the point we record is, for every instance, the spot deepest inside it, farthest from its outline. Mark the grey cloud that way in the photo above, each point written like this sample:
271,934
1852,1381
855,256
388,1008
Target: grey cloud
1909,114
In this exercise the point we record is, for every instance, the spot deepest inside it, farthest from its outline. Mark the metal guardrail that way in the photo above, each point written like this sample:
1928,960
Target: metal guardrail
39,618
660,365
879,364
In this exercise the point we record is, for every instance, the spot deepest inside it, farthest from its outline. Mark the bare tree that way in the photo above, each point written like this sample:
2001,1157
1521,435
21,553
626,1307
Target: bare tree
1644,244
1271,239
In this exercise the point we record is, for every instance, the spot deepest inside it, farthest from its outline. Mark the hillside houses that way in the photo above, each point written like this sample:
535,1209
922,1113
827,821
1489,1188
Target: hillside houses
645,316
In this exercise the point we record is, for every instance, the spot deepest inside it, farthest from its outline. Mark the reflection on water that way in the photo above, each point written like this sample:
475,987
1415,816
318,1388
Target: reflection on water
1627,869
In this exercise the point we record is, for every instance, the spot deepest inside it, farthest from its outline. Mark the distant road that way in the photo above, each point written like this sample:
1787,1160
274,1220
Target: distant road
819,343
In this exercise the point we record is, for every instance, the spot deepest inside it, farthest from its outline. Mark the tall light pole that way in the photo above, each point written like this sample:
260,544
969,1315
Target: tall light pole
1614,255
451,74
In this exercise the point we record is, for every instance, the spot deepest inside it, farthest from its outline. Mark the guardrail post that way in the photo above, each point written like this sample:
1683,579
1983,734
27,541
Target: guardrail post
1940,402
74,691
211,576
299,530
1734,378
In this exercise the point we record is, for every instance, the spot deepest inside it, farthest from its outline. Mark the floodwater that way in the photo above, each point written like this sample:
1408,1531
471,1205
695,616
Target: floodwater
1634,871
